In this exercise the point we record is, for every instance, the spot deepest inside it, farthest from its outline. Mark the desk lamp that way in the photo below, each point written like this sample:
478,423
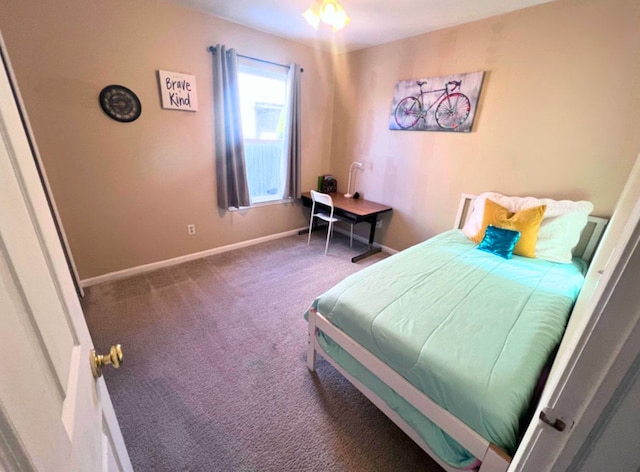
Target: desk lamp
355,165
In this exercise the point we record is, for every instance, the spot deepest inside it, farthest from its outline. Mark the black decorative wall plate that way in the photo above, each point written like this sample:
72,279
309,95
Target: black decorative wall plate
120,103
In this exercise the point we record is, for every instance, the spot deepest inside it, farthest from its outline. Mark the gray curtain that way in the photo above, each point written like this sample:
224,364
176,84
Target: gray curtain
231,175
292,134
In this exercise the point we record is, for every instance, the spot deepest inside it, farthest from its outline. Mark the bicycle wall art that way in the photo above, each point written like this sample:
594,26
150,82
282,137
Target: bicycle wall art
446,103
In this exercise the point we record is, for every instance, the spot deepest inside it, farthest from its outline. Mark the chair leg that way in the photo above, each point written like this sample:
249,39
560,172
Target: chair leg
310,225
351,237
326,246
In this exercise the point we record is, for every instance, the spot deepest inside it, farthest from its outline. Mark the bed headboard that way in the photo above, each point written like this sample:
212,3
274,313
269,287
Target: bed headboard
589,238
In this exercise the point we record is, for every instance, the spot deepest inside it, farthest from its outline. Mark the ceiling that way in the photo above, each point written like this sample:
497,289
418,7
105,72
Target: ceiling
373,22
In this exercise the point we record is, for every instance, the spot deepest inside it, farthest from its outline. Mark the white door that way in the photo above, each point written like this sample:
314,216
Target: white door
54,416
599,357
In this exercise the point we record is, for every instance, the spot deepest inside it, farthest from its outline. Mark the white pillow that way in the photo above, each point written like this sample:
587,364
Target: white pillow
559,231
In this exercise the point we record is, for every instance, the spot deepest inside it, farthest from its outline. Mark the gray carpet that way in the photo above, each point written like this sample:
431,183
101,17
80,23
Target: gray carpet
215,379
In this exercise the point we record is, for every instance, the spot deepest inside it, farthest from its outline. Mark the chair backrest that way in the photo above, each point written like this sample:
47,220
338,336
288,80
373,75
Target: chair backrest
323,198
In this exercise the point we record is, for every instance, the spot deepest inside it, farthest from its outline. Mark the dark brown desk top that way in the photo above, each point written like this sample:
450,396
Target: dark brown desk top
357,206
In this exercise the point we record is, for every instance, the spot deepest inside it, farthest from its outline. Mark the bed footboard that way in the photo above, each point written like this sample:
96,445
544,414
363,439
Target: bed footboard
492,457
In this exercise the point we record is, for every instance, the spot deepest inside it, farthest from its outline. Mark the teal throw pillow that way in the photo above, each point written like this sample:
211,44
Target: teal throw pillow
499,241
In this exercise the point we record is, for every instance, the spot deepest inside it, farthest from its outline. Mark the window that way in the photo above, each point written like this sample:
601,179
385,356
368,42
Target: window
263,106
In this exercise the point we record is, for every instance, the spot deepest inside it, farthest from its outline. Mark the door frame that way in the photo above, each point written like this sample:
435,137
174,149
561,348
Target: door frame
44,181
37,222
602,356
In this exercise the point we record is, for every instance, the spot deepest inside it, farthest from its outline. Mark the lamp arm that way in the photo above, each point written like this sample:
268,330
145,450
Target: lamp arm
351,169
348,194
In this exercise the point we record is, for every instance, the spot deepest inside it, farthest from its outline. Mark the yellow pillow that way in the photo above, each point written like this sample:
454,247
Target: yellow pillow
526,221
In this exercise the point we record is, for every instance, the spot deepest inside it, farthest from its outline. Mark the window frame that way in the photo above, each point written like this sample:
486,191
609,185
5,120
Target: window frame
268,71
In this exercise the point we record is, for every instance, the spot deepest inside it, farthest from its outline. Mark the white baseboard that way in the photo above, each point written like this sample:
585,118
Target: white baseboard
364,240
121,274
389,250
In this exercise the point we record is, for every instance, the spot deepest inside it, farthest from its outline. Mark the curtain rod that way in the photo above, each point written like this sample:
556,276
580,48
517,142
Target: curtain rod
212,49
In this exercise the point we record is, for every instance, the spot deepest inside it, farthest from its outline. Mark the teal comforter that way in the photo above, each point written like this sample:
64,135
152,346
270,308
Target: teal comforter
470,329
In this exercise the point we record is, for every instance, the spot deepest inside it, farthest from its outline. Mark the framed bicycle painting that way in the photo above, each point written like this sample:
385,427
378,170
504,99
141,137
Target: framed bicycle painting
445,103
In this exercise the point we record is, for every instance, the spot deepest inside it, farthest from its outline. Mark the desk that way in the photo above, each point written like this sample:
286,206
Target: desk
355,211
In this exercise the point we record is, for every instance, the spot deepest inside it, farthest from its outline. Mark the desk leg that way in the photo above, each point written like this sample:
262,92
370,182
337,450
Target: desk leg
372,234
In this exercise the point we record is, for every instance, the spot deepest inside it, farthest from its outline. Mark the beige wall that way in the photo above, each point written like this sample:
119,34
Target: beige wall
557,117
126,192
558,114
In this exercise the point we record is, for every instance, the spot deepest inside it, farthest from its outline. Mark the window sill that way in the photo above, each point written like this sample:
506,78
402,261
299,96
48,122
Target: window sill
282,201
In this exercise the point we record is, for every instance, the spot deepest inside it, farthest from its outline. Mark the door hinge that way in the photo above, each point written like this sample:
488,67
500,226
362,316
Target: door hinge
556,420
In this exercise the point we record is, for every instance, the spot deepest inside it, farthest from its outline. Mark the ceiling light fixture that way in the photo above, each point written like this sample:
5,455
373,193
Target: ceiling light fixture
327,11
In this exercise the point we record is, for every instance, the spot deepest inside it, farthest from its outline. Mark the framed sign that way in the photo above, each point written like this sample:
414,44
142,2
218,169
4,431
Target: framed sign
445,103
178,91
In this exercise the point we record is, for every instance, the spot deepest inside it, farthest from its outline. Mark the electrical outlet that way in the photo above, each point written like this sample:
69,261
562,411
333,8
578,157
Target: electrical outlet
378,224
191,229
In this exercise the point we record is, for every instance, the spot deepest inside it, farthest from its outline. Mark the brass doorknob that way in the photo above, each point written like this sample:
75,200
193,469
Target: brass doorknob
98,361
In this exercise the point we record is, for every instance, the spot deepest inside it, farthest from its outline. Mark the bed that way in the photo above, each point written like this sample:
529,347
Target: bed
450,341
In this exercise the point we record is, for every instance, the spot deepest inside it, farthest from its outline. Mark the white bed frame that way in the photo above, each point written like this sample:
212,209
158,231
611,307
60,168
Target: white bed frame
493,458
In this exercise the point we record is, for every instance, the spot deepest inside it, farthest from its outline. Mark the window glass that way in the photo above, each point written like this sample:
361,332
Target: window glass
263,107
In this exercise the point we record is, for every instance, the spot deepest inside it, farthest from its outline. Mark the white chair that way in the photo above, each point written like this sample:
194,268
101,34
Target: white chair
325,199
